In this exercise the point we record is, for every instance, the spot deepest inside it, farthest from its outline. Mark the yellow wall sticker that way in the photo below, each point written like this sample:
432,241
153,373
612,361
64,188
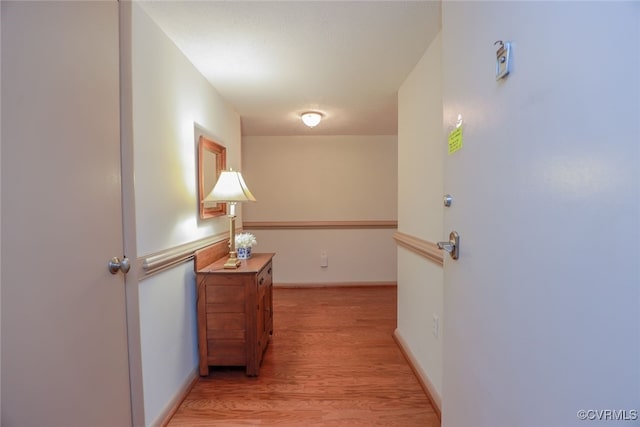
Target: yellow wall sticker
455,140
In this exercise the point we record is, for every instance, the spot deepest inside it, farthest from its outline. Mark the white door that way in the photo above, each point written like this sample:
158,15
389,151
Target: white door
64,346
541,310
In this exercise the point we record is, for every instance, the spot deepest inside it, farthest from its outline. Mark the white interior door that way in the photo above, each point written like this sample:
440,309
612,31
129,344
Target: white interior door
64,346
542,307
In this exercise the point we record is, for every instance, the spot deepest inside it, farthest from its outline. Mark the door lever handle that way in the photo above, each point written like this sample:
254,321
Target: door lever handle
452,247
446,246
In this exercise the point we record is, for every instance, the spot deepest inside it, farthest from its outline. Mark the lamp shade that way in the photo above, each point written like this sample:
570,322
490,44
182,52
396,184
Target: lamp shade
230,187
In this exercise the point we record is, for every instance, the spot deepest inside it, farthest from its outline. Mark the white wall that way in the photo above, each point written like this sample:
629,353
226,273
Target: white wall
169,335
0,223
420,142
169,98
324,178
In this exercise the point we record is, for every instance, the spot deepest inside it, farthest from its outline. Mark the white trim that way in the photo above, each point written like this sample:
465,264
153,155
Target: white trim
332,284
171,257
423,378
172,406
319,225
424,248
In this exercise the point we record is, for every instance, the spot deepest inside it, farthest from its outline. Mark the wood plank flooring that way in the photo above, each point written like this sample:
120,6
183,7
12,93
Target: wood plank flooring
332,361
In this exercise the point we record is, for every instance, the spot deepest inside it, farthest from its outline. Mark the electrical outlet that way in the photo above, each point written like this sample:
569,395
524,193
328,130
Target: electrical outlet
324,260
435,326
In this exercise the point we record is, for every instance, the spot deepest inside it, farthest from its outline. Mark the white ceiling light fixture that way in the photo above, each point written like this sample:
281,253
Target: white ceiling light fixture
311,118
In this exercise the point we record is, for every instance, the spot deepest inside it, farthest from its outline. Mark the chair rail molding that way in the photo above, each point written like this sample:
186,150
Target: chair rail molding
319,225
424,248
168,258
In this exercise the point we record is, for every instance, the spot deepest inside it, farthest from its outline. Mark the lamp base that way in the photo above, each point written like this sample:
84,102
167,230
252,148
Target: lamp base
233,262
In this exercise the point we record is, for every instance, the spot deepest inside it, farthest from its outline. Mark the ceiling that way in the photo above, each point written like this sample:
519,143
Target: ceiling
273,60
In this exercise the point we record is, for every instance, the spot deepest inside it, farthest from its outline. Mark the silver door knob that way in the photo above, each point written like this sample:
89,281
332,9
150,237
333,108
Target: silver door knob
452,246
115,264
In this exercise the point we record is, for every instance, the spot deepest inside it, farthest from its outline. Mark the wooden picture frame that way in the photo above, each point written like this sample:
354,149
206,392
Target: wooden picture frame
212,159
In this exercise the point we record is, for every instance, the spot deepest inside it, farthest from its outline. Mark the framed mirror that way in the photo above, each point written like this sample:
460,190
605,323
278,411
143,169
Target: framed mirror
212,159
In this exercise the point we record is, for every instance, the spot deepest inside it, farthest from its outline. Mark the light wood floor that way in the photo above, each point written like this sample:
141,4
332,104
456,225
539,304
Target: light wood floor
332,361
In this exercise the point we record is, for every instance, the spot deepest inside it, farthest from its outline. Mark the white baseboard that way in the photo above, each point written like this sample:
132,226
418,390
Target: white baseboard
177,400
332,284
423,378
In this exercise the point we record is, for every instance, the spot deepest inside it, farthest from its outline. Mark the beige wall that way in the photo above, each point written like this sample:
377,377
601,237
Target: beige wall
324,178
321,178
420,151
354,255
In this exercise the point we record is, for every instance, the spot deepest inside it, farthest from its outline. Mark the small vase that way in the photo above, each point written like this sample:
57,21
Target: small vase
244,253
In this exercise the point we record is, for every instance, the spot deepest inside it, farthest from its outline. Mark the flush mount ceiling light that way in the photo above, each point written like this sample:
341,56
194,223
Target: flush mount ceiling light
311,118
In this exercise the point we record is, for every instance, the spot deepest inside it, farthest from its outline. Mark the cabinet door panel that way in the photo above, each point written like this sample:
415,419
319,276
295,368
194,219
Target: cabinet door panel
224,294
222,321
226,352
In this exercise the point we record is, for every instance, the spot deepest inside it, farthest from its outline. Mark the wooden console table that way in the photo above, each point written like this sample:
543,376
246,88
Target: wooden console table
235,312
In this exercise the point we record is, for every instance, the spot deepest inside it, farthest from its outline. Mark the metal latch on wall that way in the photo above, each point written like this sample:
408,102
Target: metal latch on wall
503,59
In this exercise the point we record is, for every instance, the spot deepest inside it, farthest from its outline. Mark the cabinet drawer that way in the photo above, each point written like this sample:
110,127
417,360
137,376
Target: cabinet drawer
223,280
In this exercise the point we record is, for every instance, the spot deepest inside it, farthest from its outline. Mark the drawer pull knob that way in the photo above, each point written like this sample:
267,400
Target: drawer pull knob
261,280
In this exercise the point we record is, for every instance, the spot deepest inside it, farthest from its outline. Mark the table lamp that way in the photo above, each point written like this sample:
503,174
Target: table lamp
231,189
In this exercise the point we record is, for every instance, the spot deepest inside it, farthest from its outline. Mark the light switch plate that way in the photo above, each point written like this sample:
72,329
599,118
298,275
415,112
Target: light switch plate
324,260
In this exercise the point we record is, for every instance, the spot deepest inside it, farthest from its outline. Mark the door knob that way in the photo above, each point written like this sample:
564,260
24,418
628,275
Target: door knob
115,264
452,246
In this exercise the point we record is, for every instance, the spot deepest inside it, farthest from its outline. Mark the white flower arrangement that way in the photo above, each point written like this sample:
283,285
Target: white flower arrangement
245,240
